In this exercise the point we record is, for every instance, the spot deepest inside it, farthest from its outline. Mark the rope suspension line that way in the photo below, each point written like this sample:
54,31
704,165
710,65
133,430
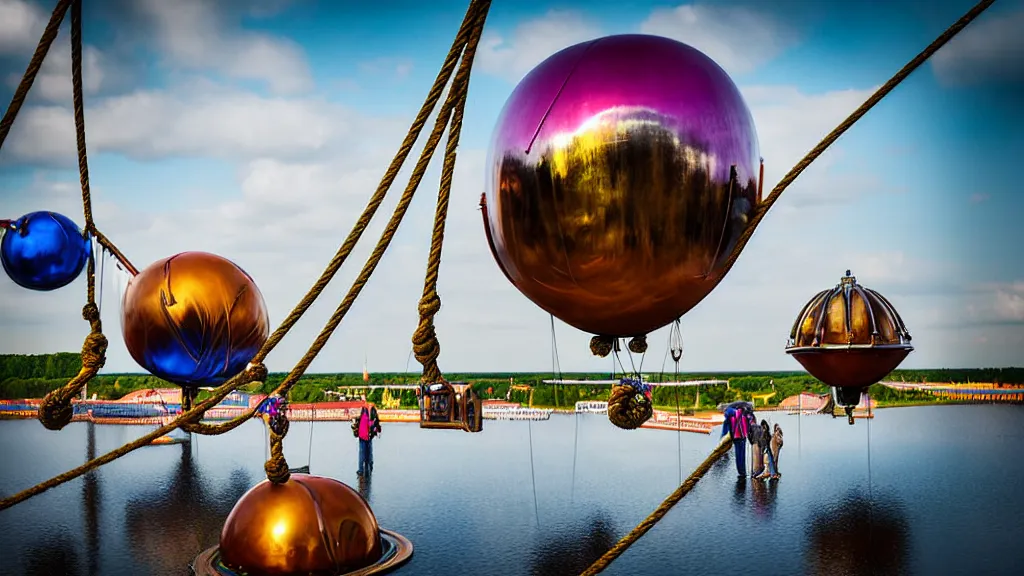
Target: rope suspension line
463,48
604,561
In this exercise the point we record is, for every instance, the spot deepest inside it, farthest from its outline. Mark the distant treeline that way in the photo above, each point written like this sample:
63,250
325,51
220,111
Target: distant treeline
24,376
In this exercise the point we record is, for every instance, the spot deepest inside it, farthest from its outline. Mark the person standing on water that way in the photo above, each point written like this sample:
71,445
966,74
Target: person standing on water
737,423
759,439
774,447
366,427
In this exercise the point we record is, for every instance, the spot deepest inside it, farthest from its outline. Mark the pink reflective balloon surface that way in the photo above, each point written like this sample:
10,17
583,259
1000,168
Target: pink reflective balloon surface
610,196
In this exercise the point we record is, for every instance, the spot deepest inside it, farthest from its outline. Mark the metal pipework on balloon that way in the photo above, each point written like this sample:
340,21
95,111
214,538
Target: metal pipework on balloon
622,173
868,320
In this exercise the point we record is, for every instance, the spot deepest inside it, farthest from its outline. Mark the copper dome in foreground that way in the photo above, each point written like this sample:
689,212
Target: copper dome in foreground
849,336
308,525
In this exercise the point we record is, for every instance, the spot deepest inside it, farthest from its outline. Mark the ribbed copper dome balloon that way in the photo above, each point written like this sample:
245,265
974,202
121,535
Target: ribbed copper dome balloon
308,525
849,337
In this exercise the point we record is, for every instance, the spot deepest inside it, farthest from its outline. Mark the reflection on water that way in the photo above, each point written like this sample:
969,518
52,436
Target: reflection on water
572,551
855,536
168,525
91,500
467,500
764,493
364,486
55,555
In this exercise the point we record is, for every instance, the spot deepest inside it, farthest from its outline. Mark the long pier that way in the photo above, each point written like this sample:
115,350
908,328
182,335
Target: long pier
974,392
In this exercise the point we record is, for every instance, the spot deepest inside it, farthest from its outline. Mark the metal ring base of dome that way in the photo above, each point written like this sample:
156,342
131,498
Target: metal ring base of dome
840,347
397,550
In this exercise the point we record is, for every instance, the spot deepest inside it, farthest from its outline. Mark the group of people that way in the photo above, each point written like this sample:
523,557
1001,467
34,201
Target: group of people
766,442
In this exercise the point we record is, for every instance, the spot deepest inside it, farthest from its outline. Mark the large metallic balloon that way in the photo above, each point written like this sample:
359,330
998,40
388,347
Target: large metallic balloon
849,337
194,319
621,173
308,525
44,251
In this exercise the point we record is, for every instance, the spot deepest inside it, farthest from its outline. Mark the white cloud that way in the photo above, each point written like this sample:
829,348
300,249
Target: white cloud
531,42
789,124
198,120
395,68
21,24
195,34
996,303
738,39
53,83
991,49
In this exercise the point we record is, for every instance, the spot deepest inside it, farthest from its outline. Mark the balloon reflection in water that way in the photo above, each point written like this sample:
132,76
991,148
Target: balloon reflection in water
575,548
849,337
190,512
194,319
55,554
621,174
44,251
856,536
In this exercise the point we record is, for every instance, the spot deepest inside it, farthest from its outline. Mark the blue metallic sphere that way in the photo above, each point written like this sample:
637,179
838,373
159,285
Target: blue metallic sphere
44,252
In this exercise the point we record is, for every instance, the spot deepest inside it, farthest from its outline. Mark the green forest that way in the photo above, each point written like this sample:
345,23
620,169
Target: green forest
32,376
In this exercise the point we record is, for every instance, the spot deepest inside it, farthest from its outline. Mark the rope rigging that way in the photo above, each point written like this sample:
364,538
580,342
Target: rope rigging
56,409
675,348
463,48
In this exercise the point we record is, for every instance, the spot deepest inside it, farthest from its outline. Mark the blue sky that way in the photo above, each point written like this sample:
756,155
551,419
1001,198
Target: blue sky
258,130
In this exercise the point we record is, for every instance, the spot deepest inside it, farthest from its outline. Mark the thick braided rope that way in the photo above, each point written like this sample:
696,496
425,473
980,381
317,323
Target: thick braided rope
55,411
459,86
256,371
457,93
424,339
857,114
49,35
604,561
276,467
385,185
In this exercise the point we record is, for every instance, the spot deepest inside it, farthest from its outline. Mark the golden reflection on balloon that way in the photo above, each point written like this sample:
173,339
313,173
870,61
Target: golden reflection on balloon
309,524
623,171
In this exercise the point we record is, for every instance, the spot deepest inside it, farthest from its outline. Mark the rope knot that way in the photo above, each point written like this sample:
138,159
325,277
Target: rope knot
629,405
56,411
94,352
424,339
601,346
91,312
255,373
277,467
430,305
638,344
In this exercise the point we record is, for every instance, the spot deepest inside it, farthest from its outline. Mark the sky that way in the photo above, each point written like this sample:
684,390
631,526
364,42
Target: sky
258,130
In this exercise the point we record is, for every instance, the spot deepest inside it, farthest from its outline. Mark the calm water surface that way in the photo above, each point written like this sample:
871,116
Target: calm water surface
938,492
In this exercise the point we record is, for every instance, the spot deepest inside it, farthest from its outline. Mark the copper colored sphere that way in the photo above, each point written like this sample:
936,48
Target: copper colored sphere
849,336
194,319
621,174
308,525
